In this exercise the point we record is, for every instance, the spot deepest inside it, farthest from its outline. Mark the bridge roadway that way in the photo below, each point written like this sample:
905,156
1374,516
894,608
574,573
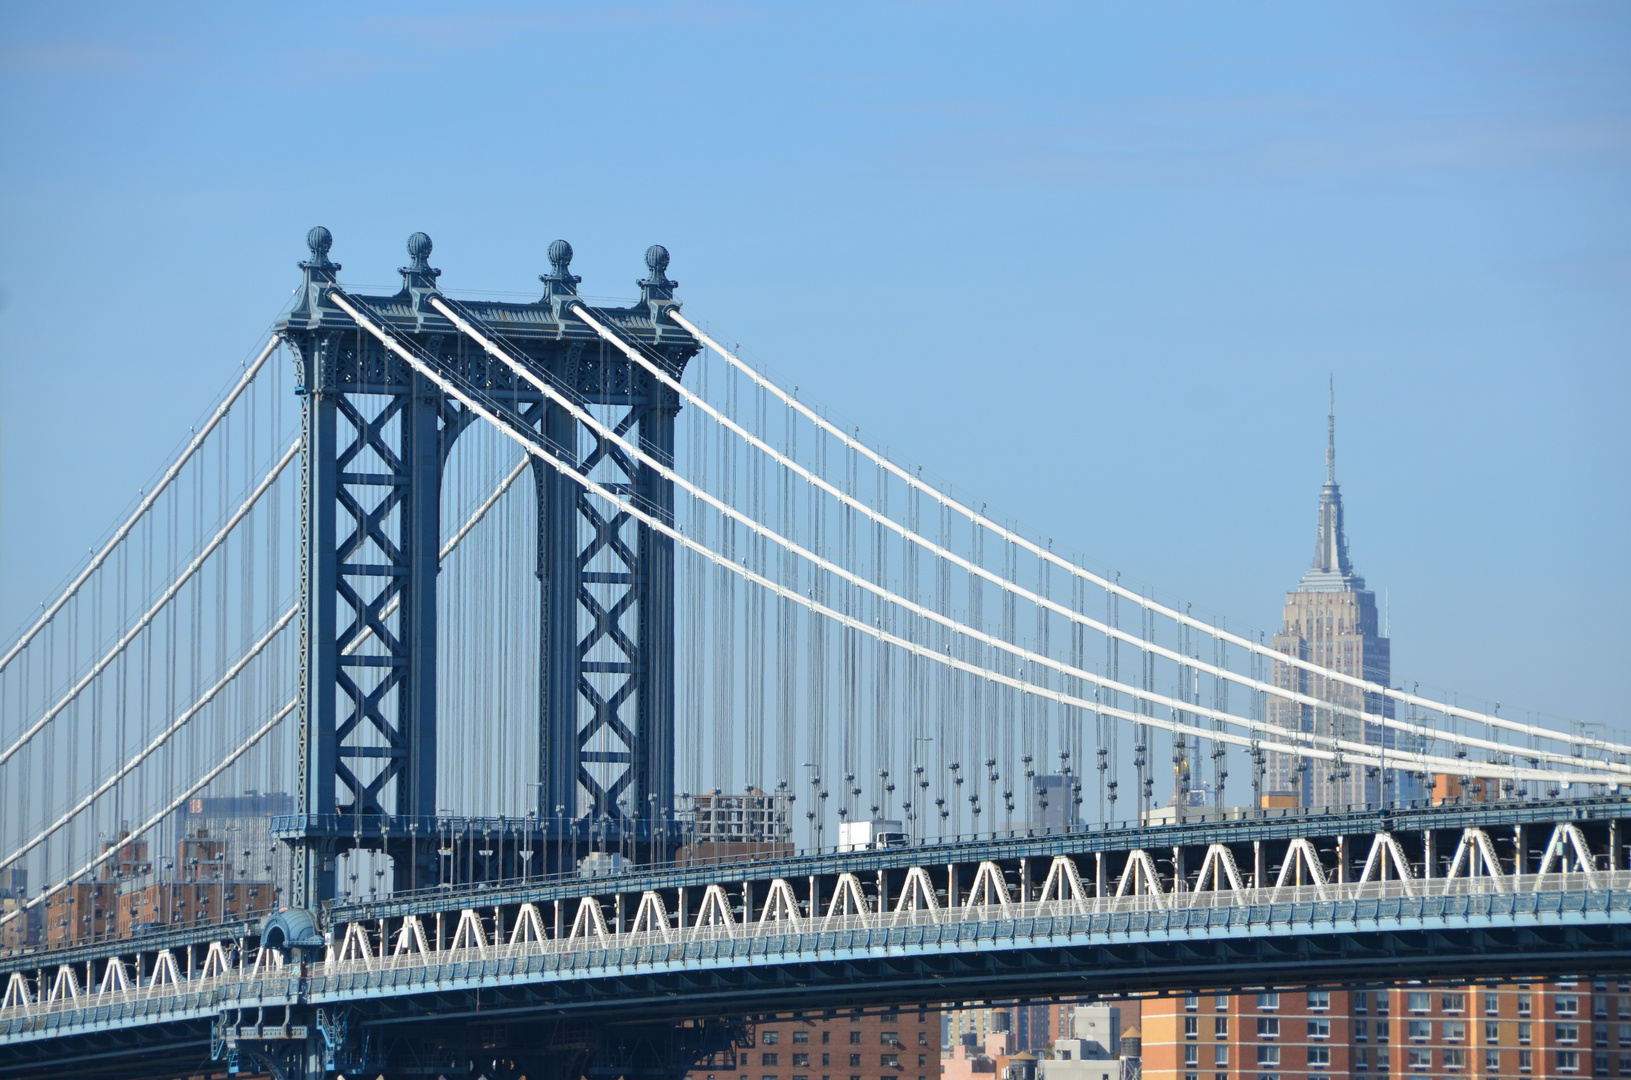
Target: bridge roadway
1453,892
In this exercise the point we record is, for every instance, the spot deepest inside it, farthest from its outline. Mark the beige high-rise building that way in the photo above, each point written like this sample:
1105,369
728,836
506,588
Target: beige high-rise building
1331,619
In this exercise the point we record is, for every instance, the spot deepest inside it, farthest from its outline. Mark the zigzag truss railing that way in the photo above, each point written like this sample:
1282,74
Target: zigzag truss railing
581,925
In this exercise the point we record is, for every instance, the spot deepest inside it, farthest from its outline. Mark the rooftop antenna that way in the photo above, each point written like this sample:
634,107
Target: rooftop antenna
1331,436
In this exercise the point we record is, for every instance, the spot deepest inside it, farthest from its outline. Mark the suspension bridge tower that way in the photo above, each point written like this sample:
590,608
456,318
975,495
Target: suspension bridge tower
377,432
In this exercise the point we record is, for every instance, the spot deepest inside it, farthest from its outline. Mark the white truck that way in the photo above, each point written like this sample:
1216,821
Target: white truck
870,835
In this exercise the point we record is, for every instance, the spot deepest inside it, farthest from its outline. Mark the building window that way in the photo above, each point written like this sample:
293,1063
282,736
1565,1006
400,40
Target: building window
855,1060
1599,1034
1599,1007
1568,1061
1419,1030
1191,1002
1361,1030
1453,1030
769,1059
1361,1002
1599,1064
1220,1057
1192,1057
801,1059
1192,1027
1453,1002
801,1036
1319,1057
1525,1032
1567,1033
922,1060
1420,1058
889,1061
1525,1004
1319,1000
1269,1000
1268,1055
1625,1035
855,1038
1220,1002
1625,1064
1419,1002
1526,1060
1567,1004
1319,1028
1492,1003
1622,1007
1454,1059
1268,1027
1362,1058
1220,1027
1492,1031
889,1038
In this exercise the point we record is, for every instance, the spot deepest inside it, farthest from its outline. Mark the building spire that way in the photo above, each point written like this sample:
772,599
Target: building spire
1332,569
1331,436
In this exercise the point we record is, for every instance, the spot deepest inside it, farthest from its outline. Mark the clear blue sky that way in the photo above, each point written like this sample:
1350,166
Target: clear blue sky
1093,263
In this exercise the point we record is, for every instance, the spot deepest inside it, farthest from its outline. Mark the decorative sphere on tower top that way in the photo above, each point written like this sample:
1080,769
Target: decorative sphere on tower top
560,256
419,246
319,240
657,285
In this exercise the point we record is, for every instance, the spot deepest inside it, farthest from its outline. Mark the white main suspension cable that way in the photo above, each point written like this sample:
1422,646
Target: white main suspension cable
916,609
145,505
966,565
447,549
199,785
152,612
1357,753
1117,589
160,739
243,662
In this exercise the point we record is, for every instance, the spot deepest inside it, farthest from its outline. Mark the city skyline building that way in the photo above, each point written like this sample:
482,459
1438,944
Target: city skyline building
1331,619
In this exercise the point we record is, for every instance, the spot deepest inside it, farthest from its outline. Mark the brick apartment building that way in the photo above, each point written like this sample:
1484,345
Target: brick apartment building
900,1045
1523,1031
125,897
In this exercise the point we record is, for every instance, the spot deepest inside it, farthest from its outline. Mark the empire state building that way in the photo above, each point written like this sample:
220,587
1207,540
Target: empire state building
1330,619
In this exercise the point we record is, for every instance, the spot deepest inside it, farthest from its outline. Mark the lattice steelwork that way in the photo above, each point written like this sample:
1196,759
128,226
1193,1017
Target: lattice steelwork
377,437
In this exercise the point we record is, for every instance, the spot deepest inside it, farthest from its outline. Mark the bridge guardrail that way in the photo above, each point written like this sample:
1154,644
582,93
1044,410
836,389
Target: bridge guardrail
169,994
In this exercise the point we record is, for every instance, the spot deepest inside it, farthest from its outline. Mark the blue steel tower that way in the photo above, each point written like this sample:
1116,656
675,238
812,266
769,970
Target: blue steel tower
377,435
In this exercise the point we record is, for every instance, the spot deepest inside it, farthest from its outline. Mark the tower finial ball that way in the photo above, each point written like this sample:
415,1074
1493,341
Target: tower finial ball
419,246
656,259
319,240
560,256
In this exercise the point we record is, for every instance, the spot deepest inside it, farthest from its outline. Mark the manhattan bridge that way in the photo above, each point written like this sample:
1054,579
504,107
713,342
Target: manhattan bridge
594,695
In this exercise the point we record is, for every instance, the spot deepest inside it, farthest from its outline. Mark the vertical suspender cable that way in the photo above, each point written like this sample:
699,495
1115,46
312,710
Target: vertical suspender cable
144,506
